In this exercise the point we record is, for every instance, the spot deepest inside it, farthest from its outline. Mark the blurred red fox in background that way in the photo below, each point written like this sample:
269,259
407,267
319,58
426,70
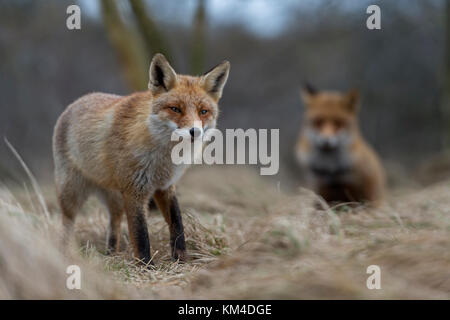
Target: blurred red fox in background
339,165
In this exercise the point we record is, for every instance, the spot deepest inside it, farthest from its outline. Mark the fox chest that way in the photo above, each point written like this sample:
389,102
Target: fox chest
157,172
174,174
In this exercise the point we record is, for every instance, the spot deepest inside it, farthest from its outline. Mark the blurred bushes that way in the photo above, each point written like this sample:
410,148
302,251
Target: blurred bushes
44,67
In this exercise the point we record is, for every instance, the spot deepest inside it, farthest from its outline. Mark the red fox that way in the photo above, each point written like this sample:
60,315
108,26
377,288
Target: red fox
119,148
340,166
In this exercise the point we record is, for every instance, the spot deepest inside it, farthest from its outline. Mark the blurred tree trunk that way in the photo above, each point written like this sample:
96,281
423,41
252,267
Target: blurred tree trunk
445,103
198,40
130,51
154,39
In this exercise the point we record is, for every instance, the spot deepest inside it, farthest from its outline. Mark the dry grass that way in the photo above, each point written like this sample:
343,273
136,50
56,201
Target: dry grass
245,239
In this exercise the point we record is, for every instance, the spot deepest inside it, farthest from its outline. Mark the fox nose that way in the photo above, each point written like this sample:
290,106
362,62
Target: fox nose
328,144
195,132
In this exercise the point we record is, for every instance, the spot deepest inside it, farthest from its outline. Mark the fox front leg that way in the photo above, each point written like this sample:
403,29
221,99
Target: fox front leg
168,204
137,227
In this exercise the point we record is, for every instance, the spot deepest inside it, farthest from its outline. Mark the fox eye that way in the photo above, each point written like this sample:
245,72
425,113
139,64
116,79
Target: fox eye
175,109
317,123
203,111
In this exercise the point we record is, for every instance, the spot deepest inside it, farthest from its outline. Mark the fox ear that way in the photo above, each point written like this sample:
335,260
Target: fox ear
214,80
162,77
353,99
307,92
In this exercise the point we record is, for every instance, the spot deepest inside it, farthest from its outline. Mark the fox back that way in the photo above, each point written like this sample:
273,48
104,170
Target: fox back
339,164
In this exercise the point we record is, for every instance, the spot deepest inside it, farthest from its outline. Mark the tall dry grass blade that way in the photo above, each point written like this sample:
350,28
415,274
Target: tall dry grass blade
34,183
30,200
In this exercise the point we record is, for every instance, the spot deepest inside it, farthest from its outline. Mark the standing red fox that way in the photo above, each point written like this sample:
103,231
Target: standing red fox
119,147
339,164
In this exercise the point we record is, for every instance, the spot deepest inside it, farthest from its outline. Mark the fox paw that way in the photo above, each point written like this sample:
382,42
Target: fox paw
180,255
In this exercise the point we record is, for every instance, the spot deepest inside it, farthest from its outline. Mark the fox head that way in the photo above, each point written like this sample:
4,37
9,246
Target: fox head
183,104
331,118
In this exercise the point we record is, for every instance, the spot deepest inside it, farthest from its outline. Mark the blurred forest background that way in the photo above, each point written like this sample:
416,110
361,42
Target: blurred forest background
273,46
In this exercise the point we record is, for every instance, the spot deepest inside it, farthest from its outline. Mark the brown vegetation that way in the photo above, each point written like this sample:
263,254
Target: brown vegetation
245,239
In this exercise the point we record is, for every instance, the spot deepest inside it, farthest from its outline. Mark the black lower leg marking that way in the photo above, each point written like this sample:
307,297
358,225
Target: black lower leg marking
177,241
141,237
112,243
152,204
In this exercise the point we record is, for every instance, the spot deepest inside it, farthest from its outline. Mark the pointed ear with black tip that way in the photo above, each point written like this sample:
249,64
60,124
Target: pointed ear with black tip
353,100
214,80
307,92
162,77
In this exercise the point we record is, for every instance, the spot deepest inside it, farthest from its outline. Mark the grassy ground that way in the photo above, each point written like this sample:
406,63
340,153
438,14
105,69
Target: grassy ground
246,239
